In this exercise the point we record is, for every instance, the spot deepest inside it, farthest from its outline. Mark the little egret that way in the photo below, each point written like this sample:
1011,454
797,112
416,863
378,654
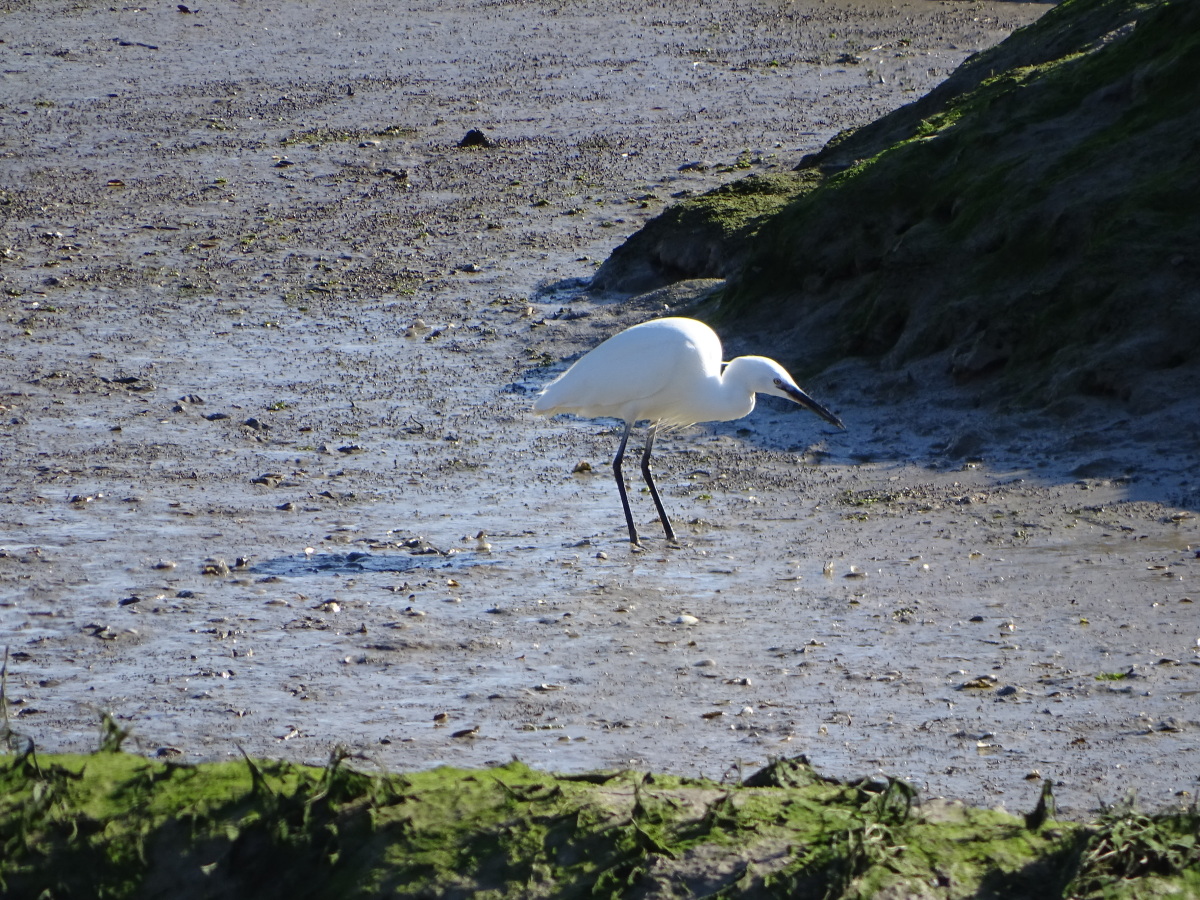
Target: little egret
669,372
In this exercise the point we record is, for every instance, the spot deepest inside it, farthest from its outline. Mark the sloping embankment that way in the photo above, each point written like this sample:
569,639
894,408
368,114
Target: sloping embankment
1035,215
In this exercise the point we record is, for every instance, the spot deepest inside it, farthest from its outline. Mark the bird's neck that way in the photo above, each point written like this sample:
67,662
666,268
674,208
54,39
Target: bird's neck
732,399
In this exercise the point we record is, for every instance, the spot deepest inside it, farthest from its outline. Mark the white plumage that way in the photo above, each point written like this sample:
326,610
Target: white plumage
668,372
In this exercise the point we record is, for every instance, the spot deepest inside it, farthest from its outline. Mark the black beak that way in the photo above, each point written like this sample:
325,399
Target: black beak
810,404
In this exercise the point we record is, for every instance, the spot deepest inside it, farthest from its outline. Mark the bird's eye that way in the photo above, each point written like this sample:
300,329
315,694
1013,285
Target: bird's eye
778,382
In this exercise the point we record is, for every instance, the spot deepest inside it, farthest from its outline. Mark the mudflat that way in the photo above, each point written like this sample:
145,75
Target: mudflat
269,476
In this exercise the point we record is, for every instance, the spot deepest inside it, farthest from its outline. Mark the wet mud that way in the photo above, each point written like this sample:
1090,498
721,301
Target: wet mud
270,478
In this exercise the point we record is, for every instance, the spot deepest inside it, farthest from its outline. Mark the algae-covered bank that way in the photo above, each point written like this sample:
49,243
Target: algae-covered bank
1034,216
115,825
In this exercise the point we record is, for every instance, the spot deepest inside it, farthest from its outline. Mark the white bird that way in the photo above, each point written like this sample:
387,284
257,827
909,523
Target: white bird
668,372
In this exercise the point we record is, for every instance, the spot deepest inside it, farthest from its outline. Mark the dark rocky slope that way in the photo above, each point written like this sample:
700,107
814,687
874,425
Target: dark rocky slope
1037,215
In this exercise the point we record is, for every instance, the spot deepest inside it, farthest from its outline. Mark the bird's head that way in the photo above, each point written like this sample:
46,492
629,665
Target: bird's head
765,376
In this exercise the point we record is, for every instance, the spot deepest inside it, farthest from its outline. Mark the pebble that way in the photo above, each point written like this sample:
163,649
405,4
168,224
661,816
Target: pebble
983,682
475,138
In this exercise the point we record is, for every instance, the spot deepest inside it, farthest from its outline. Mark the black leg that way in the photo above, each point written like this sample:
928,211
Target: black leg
633,535
662,513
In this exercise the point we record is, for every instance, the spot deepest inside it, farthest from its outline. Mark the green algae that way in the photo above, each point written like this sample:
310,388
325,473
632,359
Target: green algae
736,208
1051,196
1130,854
706,236
118,825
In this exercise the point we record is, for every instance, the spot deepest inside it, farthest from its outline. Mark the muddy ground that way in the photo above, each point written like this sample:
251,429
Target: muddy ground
269,342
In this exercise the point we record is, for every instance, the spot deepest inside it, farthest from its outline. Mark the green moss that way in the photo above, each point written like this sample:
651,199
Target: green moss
1040,203
1130,854
688,237
734,207
116,825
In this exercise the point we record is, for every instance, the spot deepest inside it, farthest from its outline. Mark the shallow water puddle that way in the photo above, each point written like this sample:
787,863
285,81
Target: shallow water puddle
356,561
